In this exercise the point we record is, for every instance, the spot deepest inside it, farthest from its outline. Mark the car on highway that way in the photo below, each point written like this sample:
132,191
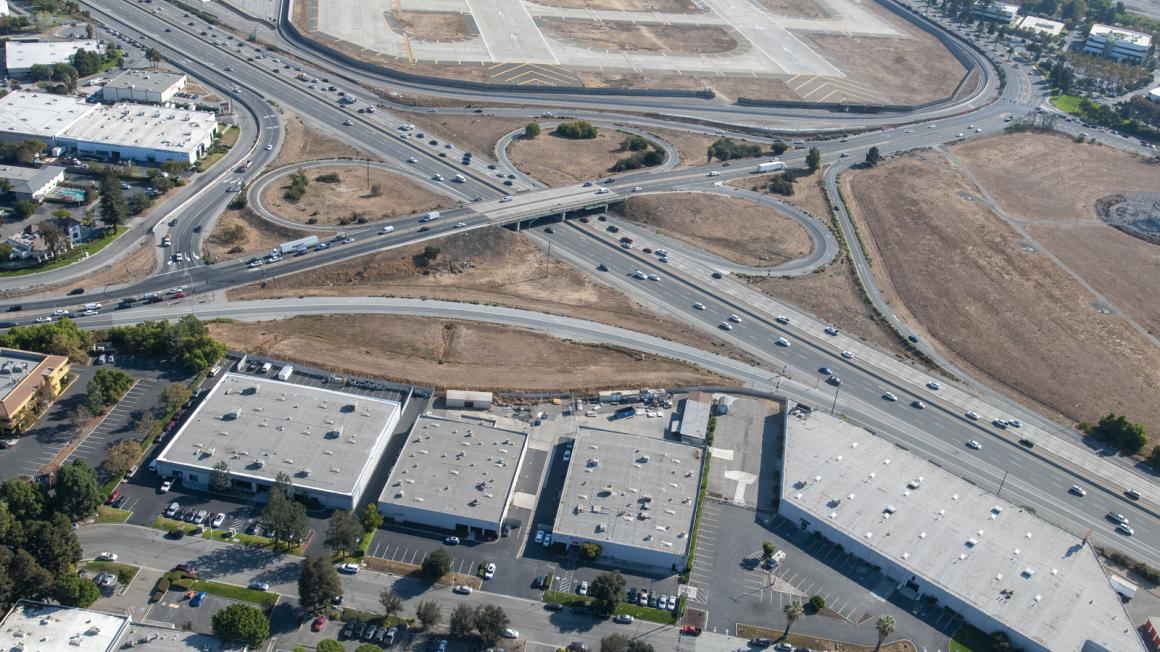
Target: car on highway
257,585
999,423
451,541
699,305
1015,423
1077,490
917,404
460,225
386,229
825,371
735,319
971,443
830,330
107,556
781,341
782,319
347,122
714,173
583,588
653,277
888,396
489,571
972,415
462,589
1133,494
726,326
505,199
933,386
637,189
166,486
349,569
412,160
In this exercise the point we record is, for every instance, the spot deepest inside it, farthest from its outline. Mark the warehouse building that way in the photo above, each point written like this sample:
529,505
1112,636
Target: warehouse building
144,86
22,373
634,496
693,424
21,56
1116,43
37,626
39,116
328,442
459,399
944,539
32,183
455,475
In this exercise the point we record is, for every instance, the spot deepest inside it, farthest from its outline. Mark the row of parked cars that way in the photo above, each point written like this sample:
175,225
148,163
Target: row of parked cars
193,515
356,630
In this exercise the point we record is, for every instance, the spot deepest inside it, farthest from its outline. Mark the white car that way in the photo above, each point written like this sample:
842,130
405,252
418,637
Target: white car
971,443
460,225
505,199
349,569
726,326
107,556
781,341
972,415
510,633
548,540
166,486
637,189
1015,423
830,330
735,319
347,123
699,305
602,191
218,520
933,385
60,312
653,277
890,397
539,536
45,319
489,572
412,160
257,585
1078,490
386,229
782,319
583,588
462,589
714,173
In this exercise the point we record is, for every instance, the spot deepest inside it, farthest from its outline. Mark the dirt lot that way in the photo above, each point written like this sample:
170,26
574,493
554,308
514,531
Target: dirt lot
728,89
458,354
902,70
641,38
735,229
238,234
662,6
329,203
795,8
487,266
957,269
1049,177
136,265
559,161
475,134
425,26
301,143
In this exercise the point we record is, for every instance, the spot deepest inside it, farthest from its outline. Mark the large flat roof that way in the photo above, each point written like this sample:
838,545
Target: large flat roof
321,438
21,55
1120,34
465,468
40,114
611,478
37,626
1017,568
20,374
149,80
143,126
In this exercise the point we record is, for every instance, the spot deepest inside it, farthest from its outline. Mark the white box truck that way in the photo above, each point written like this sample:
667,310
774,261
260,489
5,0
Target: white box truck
769,166
285,372
430,217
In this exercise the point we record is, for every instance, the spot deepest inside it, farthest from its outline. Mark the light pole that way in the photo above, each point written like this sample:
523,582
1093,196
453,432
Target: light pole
834,407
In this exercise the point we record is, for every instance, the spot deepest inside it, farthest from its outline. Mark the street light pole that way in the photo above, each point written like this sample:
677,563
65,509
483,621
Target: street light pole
834,407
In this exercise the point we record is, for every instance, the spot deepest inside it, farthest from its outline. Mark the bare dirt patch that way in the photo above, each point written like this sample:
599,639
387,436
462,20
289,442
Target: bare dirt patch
1050,176
641,38
1013,315
475,134
331,203
424,26
485,266
898,70
134,266
662,6
728,89
456,354
807,192
795,8
301,143
735,229
238,234
559,161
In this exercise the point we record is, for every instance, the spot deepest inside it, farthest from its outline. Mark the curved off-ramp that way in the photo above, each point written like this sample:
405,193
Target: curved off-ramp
257,189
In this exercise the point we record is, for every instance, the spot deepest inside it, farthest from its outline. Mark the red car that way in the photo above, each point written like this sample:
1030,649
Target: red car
113,497
179,295
689,630
583,220
647,250
318,624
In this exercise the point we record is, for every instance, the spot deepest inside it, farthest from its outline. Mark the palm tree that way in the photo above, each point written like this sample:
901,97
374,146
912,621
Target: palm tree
885,627
154,55
792,611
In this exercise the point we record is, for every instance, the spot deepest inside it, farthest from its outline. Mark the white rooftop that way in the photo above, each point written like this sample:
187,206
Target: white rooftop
21,55
40,114
1120,34
1020,570
465,468
146,79
1041,25
144,126
631,490
33,626
321,438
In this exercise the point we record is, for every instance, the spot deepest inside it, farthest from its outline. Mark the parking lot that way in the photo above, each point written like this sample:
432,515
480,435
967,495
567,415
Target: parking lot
175,608
119,422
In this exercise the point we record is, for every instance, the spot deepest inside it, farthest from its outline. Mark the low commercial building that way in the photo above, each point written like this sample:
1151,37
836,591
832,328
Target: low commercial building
459,399
693,424
455,475
143,86
21,56
943,539
37,626
39,116
22,374
1039,25
32,183
997,11
328,442
633,496
1154,94
1116,43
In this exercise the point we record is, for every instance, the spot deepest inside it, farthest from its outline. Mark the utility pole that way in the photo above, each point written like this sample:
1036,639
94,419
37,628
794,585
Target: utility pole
368,173
834,407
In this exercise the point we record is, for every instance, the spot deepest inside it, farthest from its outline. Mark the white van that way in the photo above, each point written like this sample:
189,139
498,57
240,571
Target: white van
266,368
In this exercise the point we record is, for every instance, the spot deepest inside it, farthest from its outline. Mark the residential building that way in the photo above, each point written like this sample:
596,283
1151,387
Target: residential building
21,56
459,399
1116,43
32,183
997,11
22,374
143,86
950,542
28,246
457,475
328,442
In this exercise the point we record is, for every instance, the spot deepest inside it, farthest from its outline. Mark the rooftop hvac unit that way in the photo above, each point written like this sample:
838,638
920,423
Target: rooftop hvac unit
211,451
335,469
259,463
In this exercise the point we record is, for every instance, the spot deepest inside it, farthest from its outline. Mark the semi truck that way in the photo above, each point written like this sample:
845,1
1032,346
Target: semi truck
302,244
769,166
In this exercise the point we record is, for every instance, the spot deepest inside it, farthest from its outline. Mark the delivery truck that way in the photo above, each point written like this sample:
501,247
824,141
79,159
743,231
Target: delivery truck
769,166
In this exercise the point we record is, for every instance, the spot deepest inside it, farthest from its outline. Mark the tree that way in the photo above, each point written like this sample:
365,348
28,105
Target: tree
53,543
781,184
767,549
724,149
77,491
107,387
817,603
175,395
318,583
589,550
87,62
607,591
376,190
55,239
392,602
814,159
575,130
33,580
283,518
121,457
437,564
241,622
25,500
792,612
219,478
367,647
1154,458
25,208
153,55
1123,434
885,627
532,130
147,425
344,532
113,209
779,147
490,621
330,645
371,518
621,643
429,613
430,253
73,590
462,621
139,203
872,156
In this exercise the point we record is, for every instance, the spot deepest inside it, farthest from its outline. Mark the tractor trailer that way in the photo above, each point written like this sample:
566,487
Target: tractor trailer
769,166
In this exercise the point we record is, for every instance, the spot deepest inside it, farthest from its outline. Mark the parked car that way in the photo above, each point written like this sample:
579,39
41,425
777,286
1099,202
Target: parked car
318,624
107,556
583,588
462,589
166,486
259,586
349,569
197,599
